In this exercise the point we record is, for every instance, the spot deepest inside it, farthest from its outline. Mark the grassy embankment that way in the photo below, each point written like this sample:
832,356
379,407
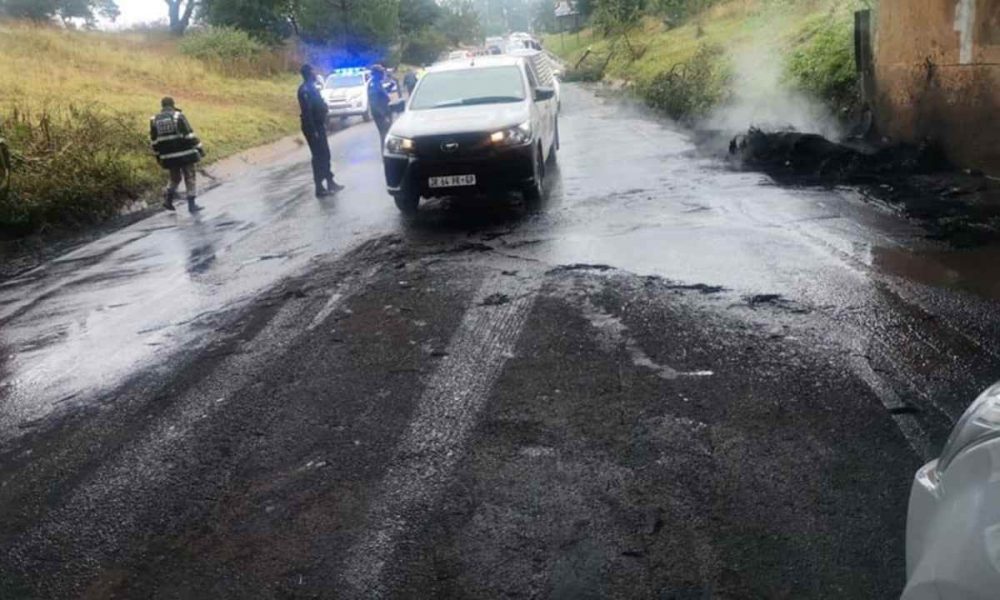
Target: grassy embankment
75,108
688,68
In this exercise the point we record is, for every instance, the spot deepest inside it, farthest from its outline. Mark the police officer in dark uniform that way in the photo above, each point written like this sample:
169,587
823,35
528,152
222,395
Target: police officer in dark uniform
177,150
313,111
378,101
410,82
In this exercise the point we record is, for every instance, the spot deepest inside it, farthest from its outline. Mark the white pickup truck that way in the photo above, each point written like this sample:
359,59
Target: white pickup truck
346,93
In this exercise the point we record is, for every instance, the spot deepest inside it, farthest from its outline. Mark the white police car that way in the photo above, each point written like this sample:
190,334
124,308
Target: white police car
346,93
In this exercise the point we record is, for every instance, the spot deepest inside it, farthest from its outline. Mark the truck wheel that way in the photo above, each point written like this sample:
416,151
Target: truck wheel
555,146
407,203
367,116
535,192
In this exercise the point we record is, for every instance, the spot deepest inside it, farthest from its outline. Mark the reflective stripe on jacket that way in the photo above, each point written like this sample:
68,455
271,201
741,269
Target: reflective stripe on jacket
174,140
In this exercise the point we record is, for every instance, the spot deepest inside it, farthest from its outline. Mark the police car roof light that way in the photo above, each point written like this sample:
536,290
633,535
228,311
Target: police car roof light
349,71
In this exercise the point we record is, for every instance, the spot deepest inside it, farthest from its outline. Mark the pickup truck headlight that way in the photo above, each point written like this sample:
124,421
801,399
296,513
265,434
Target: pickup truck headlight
980,422
515,136
399,145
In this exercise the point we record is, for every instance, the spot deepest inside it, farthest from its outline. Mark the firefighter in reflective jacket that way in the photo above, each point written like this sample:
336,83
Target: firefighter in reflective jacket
177,150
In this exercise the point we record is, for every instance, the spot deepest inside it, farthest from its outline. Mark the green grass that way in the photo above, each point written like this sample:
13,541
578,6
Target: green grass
120,78
788,25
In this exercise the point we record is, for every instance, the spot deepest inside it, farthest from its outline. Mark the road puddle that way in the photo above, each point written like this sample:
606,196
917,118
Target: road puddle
974,270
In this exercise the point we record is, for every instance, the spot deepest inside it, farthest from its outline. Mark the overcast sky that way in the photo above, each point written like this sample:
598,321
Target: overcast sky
141,11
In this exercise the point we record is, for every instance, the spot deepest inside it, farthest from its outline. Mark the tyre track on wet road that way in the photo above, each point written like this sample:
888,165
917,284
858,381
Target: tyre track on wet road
435,439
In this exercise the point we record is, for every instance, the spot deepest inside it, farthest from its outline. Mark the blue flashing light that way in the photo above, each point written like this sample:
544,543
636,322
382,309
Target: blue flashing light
346,72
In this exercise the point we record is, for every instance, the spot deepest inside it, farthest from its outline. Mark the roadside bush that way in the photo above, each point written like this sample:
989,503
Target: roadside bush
222,43
70,167
823,64
691,89
587,72
679,10
234,52
424,47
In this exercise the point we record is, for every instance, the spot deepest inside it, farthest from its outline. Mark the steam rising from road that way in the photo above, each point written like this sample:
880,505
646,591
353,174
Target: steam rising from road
761,97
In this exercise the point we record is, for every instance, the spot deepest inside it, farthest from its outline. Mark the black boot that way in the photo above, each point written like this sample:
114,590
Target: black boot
333,186
192,207
320,190
168,201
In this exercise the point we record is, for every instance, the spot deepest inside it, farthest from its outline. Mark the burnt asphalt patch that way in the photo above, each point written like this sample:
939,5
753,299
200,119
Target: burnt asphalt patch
597,468
727,402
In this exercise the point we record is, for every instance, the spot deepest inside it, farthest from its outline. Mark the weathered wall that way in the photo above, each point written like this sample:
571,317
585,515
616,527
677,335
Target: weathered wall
937,66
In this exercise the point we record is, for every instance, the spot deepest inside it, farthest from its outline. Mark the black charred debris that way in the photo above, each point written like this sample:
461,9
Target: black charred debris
960,207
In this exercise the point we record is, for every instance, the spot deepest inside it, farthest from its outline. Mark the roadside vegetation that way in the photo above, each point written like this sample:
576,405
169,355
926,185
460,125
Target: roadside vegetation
75,108
683,56
75,103
822,62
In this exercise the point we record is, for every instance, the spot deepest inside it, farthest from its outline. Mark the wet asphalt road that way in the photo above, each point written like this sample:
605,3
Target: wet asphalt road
674,381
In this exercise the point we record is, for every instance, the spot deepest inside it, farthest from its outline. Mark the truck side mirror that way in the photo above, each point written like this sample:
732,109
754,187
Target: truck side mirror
544,93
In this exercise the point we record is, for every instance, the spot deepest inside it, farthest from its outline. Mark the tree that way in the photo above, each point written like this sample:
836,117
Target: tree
354,24
618,15
460,22
266,20
543,17
68,11
417,15
180,13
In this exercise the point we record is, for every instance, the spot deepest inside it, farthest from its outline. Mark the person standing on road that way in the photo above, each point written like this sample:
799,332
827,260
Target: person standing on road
378,101
177,150
410,82
313,113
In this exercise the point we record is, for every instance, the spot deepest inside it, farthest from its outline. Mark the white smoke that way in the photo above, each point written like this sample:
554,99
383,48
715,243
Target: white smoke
761,97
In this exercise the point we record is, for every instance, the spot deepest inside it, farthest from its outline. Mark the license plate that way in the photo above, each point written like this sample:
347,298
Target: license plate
450,181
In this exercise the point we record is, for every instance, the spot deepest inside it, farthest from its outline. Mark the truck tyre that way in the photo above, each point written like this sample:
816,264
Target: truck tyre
535,191
407,203
367,116
555,146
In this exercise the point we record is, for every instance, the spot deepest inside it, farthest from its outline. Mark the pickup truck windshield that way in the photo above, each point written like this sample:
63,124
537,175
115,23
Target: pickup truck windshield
466,87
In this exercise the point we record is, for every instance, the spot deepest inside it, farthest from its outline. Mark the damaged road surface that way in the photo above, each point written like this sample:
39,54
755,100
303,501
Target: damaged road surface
673,381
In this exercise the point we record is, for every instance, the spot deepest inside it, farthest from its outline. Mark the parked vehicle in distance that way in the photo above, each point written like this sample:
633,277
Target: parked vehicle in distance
953,523
494,45
459,55
346,93
471,128
522,44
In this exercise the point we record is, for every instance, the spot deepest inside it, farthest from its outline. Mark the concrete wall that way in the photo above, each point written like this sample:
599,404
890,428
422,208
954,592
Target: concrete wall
937,69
